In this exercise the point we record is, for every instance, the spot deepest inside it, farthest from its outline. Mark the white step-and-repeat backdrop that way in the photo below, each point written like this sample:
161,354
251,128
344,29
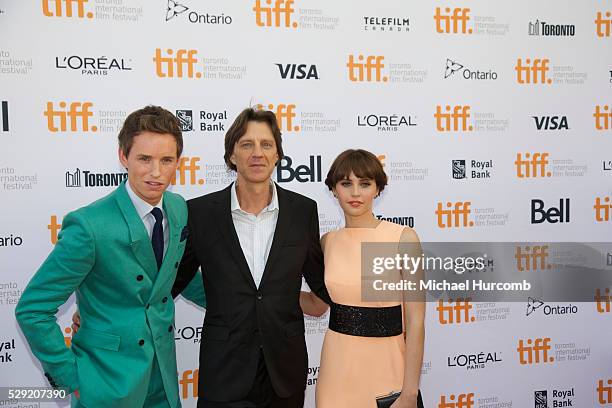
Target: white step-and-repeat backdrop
499,110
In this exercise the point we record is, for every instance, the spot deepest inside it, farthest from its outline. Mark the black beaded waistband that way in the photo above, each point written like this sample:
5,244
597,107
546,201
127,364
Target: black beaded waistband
366,321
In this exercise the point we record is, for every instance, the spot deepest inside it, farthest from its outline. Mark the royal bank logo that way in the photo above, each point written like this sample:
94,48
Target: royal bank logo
542,28
208,121
541,399
478,169
176,9
386,24
87,178
7,348
96,66
4,116
453,67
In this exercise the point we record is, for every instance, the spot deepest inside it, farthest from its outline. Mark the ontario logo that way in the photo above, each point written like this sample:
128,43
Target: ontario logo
454,67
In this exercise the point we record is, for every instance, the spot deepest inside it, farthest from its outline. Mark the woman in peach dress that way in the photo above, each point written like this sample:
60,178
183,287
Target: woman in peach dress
371,349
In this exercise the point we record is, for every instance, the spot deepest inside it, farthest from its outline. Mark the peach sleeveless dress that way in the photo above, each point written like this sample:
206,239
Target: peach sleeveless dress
355,370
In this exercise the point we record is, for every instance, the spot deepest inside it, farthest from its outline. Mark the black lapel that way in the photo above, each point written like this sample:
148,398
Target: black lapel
223,215
285,212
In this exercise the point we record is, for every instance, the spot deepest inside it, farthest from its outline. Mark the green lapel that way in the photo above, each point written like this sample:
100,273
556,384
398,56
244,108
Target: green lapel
140,242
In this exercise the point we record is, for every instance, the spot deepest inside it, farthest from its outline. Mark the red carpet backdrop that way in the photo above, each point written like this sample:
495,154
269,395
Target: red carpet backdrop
493,121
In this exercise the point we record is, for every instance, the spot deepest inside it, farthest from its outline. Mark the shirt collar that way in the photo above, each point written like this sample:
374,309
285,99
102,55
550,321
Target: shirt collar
235,205
142,207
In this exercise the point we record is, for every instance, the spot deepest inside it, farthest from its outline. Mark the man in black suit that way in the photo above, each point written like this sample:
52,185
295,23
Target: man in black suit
254,241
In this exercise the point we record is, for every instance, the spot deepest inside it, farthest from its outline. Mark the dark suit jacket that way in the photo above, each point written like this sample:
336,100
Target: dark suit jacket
240,318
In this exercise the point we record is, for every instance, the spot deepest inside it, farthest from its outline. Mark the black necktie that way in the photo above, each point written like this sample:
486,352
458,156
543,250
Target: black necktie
157,238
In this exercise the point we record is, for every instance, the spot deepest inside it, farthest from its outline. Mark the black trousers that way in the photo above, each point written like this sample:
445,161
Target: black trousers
262,394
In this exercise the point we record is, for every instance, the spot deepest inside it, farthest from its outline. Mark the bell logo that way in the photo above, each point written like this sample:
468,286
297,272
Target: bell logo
603,117
370,70
187,165
602,209
174,67
449,121
457,401
456,313
302,174
534,352
77,110
65,8
189,382
278,15
528,73
604,301
456,215
532,258
68,336
285,114
54,227
534,165
459,15
603,25
552,215
604,393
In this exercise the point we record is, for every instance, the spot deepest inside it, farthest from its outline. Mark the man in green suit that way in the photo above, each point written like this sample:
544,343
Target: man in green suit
120,255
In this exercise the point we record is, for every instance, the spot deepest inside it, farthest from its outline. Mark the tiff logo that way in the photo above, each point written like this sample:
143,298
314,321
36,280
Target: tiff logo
278,15
54,227
459,19
189,382
455,121
455,314
79,114
603,25
602,209
604,393
187,165
456,217
532,258
285,114
528,73
4,116
603,117
532,166
604,302
457,401
174,67
370,70
534,352
65,8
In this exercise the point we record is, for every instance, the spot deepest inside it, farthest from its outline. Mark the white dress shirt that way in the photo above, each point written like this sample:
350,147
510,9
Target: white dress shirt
255,232
144,212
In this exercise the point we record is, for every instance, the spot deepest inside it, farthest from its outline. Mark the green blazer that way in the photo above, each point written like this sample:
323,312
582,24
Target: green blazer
104,254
